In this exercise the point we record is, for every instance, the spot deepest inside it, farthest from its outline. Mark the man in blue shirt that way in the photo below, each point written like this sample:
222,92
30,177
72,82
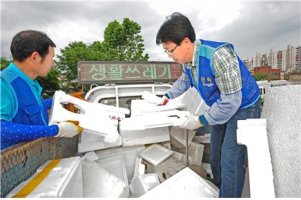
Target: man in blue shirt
225,84
23,111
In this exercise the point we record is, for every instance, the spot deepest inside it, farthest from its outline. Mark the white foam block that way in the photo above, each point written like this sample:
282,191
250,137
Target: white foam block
253,134
64,180
148,136
141,106
186,184
155,154
93,142
154,120
192,101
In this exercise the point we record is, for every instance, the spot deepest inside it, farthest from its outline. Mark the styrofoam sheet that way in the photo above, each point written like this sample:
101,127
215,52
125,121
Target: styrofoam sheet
92,117
139,167
139,106
195,154
192,101
155,154
186,184
64,180
253,134
141,137
281,109
154,120
92,142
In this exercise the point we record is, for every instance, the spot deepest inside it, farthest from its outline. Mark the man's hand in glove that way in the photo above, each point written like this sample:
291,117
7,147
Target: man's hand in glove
191,122
151,98
69,129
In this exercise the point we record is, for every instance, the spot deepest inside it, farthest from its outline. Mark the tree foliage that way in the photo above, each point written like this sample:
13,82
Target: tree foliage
122,42
260,77
4,63
50,83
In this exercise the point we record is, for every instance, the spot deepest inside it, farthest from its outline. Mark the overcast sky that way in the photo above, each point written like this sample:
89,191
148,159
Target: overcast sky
252,26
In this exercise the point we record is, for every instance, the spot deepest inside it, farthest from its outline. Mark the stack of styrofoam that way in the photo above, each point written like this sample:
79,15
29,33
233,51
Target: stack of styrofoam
147,126
282,110
186,184
58,178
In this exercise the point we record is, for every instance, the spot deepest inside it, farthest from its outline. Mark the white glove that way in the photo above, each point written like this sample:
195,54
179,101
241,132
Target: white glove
69,129
151,98
191,122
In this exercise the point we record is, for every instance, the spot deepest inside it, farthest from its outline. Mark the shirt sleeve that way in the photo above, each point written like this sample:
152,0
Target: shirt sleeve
47,103
179,87
8,103
227,72
13,132
222,110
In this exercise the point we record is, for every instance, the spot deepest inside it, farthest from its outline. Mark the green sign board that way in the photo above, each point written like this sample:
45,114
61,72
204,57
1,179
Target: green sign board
97,72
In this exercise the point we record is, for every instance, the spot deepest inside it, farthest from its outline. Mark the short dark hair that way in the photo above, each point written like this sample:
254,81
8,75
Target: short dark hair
26,42
175,29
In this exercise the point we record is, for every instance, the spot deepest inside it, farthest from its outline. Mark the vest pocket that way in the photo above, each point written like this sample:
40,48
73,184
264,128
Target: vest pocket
32,113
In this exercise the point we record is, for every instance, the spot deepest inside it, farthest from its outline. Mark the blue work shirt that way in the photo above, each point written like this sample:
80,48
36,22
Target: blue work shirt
9,103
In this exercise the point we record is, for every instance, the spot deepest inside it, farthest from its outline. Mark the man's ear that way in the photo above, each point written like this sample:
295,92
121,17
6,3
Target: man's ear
186,42
35,57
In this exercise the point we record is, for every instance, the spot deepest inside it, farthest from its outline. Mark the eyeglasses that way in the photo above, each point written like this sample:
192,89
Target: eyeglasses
171,51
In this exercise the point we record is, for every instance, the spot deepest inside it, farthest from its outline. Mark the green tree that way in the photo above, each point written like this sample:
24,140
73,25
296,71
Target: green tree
4,63
50,83
260,77
122,42
67,64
